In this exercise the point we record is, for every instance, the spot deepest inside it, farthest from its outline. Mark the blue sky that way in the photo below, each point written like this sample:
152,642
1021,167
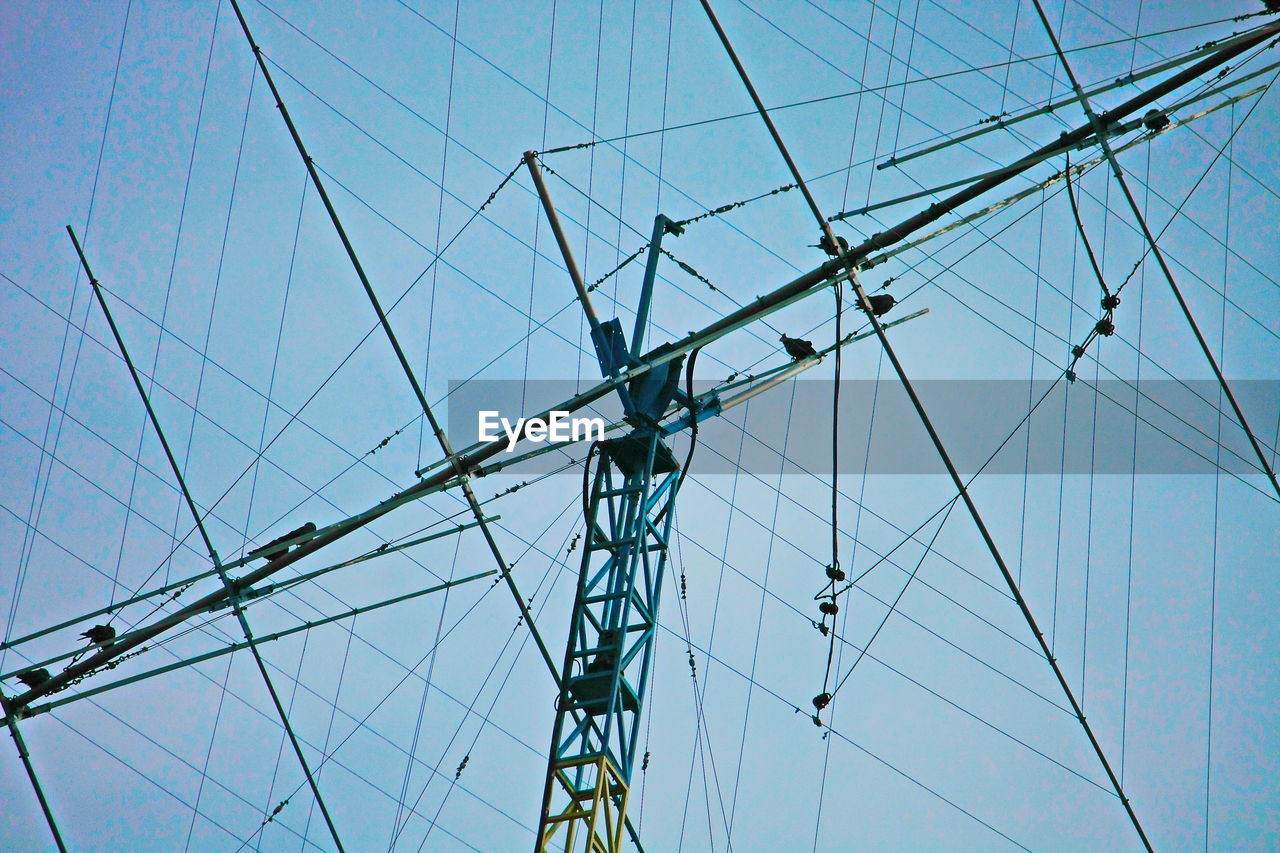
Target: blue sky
177,172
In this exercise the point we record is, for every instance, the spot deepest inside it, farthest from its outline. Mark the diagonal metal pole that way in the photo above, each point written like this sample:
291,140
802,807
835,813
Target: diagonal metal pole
1099,129
553,219
12,721
233,589
441,438
937,443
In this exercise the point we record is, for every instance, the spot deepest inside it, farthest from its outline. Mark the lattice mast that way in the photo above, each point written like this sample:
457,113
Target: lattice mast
628,513
629,507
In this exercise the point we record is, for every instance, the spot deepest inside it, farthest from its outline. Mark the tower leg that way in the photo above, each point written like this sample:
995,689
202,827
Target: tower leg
608,655
25,755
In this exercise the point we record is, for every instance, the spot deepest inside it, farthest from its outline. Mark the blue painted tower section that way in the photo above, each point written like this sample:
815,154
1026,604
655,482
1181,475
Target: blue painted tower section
609,654
629,510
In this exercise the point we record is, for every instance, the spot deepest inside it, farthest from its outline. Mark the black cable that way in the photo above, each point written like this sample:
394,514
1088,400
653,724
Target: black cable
586,485
693,426
693,436
833,571
1075,212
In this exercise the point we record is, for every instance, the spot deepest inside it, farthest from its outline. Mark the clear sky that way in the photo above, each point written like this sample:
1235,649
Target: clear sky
145,126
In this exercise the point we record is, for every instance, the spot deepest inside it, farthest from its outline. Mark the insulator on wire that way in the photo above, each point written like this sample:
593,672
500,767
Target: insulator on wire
279,808
822,700
1106,328
829,608
835,574
1111,301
